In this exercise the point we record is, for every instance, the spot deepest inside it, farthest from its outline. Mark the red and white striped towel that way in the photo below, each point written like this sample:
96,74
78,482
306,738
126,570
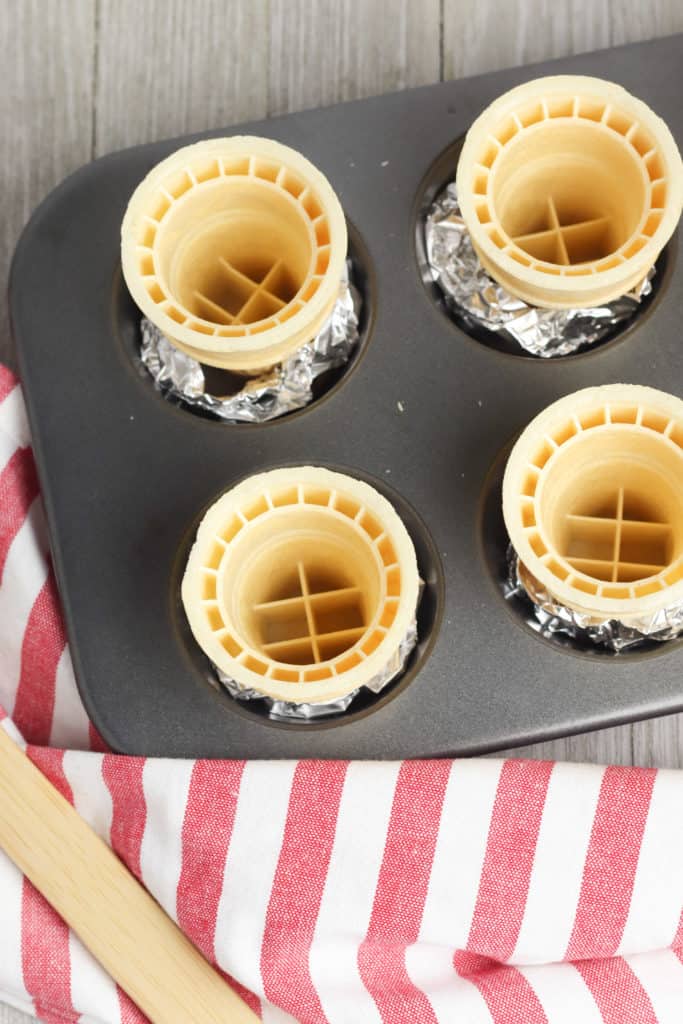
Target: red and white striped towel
480,891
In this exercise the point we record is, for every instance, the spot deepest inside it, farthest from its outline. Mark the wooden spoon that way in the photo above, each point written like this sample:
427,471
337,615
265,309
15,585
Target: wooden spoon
112,914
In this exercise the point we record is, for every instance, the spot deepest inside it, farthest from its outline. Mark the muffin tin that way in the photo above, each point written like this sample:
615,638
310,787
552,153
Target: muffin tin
425,413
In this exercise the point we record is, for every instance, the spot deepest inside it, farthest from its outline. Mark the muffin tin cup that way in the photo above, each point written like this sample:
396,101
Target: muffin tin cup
422,415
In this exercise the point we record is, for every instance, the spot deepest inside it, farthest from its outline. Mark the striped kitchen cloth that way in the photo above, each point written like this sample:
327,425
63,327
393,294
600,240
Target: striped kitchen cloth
475,891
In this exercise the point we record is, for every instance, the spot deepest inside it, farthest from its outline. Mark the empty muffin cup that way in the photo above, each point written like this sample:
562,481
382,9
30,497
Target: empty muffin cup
234,248
593,501
301,585
570,188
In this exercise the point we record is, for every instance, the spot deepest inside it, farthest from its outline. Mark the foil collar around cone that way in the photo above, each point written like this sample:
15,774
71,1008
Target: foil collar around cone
293,711
550,617
476,300
281,389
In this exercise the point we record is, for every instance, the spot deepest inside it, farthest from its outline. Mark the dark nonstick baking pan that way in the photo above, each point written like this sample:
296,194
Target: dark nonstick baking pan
425,413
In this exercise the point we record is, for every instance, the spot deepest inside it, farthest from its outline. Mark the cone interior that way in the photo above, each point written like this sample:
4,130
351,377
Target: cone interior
578,208
234,252
304,587
569,185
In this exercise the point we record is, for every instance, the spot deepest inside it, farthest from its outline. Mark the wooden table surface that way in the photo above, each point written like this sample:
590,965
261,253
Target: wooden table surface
81,78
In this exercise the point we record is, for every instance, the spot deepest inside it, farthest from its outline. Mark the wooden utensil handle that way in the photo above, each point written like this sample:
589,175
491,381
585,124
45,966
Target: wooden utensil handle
113,915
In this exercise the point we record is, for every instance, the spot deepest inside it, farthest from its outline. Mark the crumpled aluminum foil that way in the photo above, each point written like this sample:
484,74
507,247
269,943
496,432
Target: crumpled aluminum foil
290,710
475,299
278,390
552,617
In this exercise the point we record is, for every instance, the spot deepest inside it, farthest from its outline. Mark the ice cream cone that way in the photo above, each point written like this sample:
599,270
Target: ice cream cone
235,249
301,585
593,501
570,188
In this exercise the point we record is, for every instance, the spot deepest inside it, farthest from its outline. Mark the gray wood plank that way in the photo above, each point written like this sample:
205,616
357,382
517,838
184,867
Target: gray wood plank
8,1015
605,746
329,51
166,68
487,35
632,20
655,743
658,743
45,112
